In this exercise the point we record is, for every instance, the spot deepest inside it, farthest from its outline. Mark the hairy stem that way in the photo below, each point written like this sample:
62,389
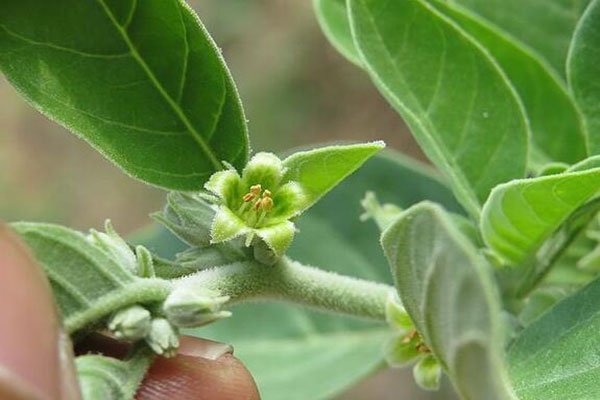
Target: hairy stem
290,281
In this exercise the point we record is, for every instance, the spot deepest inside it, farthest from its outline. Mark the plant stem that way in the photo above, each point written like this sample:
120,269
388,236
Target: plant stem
290,281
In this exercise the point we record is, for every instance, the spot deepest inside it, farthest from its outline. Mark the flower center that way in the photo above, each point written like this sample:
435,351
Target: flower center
257,203
420,346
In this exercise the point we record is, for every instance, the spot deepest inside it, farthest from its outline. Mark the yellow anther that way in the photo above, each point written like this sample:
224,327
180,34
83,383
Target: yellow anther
409,336
257,205
256,189
267,193
267,203
422,348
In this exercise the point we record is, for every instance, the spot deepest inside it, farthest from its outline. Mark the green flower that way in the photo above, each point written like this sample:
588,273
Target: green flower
259,203
407,347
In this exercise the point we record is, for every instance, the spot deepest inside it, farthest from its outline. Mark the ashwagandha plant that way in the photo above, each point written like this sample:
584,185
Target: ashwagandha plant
496,289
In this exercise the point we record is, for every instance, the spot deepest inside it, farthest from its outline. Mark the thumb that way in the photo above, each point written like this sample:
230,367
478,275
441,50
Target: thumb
34,355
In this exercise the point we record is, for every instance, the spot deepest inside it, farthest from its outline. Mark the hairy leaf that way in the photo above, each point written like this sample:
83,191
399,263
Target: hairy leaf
321,169
188,217
448,290
520,216
333,19
106,378
87,283
556,357
583,69
458,103
555,121
304,345
545,26
141,81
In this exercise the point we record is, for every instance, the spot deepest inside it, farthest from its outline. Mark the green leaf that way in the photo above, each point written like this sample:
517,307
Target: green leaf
87,283
556,357
457,102
448,290
141,81
333,19
544,26
588,163
106,378
319,170
582,70
556,125
520,216
305,346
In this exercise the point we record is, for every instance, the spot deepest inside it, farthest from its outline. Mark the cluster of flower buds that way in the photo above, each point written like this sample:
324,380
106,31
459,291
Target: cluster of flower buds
407,347
185,307
138,262
137,323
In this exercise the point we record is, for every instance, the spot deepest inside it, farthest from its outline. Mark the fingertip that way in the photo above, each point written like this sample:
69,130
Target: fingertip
29,338
208,370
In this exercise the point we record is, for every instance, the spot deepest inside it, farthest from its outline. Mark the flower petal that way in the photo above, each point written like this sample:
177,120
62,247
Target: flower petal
288,200
225,184
265,169
399,352
278,237
226,226
396,316
427,373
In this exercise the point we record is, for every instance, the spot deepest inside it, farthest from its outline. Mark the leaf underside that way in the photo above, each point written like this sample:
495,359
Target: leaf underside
87,284
445,286
521,215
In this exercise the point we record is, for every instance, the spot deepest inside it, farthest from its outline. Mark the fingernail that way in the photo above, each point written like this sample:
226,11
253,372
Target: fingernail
204,348
29,334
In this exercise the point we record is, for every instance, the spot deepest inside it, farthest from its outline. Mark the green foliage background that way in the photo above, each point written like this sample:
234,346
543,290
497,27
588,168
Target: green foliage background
291,81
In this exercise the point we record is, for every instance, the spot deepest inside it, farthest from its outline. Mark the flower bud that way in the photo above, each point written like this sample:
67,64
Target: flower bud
193,307
132,323
114,246
427,373
382,214
145,264
162,338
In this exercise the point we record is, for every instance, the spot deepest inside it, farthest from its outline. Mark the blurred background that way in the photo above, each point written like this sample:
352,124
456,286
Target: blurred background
296,90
